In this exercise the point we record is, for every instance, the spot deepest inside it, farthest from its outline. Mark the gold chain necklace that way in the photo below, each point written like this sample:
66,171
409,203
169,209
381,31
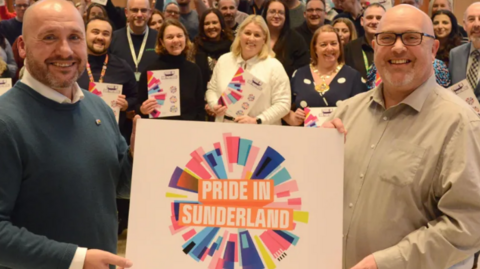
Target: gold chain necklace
323,88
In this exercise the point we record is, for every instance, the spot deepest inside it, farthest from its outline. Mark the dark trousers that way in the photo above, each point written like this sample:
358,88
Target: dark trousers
123,208
475,261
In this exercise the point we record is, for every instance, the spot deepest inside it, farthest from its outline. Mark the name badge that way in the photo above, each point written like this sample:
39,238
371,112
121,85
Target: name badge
137,76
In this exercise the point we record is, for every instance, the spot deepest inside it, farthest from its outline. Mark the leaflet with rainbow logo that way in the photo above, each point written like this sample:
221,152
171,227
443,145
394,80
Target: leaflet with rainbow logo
163,85
241,94
109,93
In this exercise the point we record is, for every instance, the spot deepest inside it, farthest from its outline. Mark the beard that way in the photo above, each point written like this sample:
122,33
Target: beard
390,79
97,51
40,72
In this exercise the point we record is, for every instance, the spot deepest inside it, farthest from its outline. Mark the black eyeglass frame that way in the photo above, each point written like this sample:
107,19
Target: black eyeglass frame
401,38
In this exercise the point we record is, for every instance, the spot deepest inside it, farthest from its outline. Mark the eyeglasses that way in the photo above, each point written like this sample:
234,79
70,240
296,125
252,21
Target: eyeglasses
136,10
21,5
317,10
274,12
408,38
172,12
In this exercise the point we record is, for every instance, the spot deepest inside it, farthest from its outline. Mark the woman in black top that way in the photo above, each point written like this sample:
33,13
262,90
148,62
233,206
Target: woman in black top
173,47
214,39
289,46
326,80
444,26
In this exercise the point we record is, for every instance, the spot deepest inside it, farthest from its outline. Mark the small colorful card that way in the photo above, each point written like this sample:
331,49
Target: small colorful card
241,94
109,93
164,86
5,85
316,116
465,91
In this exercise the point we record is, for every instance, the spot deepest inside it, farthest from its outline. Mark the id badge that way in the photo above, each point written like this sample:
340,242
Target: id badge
137,76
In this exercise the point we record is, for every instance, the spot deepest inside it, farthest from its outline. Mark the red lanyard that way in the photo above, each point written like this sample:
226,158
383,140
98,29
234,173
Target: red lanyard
102,74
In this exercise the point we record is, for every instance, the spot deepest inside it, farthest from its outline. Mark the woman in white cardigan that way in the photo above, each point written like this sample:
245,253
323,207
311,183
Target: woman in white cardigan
252,51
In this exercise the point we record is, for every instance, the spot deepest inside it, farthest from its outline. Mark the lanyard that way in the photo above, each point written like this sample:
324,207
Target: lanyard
102,74
365,60
136,59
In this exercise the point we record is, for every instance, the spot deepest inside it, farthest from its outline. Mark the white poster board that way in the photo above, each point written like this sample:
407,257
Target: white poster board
465,91
275,209
241,94
164,86
109,93
316,116
5,85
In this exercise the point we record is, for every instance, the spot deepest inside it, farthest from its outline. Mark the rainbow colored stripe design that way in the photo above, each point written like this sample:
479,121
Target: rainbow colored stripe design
92,87
156,91
233,93
310,118
223,248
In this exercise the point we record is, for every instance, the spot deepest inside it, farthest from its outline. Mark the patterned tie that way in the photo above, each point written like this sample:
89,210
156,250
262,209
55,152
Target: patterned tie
472,75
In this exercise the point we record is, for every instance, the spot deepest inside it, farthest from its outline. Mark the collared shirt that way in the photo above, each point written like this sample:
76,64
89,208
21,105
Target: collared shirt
470,60
50,93
412,179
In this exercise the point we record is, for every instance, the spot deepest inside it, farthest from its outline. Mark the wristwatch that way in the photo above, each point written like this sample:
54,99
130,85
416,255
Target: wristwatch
259,121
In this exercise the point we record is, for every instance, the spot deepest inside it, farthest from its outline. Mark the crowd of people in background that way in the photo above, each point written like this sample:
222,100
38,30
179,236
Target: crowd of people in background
309,53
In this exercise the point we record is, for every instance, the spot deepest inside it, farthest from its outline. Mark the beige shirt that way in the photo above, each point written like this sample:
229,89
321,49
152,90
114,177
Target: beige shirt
412,179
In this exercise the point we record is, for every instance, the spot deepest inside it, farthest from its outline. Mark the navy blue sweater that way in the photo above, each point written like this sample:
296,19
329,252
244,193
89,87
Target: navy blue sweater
60,172
11,29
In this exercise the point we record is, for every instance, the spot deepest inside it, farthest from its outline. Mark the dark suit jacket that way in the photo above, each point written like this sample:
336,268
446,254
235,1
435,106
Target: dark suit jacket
354,56
458,65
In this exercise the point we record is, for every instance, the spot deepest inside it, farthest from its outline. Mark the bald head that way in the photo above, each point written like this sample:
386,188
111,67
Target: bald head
471,9
48,9
405,16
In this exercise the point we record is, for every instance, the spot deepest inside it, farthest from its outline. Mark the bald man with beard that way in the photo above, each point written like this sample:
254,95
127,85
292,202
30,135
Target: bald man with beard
412,154
62,159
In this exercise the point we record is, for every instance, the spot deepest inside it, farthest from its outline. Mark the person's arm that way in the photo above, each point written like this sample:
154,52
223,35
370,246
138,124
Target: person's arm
116,15
142,93
358,86
280,95
5,14
12,65
455,236
130,88
200,97
300,55
20,248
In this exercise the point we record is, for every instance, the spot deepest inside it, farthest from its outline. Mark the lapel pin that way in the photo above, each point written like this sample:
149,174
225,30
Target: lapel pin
98,122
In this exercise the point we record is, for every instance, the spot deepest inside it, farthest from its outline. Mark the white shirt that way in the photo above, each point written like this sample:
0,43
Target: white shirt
470,59
47,92
275,101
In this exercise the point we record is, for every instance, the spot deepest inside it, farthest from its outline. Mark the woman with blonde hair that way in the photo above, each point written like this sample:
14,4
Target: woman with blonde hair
173,46
345,29
326,80
252,51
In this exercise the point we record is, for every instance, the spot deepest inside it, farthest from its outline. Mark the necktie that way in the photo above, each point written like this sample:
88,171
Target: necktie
472,74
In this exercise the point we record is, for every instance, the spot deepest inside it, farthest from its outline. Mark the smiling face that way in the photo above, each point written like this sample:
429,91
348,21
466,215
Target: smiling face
371,18
228,8
343,31
212,26
99,36
314,14
252,40
400,66
174,40
442,26
276,15
54,44
156,22
138,13
327,48
471,22
441,5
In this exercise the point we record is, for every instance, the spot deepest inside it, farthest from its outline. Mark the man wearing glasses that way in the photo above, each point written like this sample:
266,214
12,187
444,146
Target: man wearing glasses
412,154
135,43
314,15
12,28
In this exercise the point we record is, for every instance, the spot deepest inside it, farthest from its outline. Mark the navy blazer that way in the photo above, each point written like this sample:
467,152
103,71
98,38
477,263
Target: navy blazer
458,65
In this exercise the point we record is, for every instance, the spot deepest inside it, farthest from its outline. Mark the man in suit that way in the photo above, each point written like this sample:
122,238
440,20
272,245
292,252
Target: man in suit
314,15
465,59
359,52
